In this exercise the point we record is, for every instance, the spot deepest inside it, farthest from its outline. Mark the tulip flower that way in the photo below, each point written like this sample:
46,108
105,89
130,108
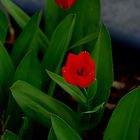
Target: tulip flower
79,69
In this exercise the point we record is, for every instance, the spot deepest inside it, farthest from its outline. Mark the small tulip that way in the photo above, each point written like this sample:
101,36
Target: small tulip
65,4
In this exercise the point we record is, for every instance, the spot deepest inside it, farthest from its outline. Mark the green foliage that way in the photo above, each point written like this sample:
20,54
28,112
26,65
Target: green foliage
72,90
29,69
87,21
102,54
22,19
62,130
8,135
35,67
40,106
3,26
52,135
125,121
26,39
85,40
6,76
59,42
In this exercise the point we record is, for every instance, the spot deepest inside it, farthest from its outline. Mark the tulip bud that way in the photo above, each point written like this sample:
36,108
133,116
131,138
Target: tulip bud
65,4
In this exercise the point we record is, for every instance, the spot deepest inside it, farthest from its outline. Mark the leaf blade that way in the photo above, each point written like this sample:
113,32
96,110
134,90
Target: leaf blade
62,130
40,106
73,91
124,124
26,38
22,19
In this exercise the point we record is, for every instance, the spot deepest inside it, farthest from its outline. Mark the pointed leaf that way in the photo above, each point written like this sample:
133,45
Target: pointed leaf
29,69
22,19
72,90
58,47
6,67
125,120
6,75
88,15
59,43
52,135
63,130
26,38
40,106
85,40
102,54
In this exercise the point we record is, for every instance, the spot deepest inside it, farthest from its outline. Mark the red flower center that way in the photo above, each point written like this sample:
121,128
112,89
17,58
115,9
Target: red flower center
80,72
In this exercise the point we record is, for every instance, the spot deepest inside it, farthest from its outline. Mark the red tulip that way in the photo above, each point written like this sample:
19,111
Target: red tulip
79,69
65,4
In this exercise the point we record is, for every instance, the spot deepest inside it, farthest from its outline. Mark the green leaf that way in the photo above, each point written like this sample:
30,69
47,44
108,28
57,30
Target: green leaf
26,39
59,43
6,67
40,106
22,19
102,54
58,47
6,75
88,17
72,90
63,130
51,135
10,136
96,109
125,120
29,69
51,20
84,40
3,26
